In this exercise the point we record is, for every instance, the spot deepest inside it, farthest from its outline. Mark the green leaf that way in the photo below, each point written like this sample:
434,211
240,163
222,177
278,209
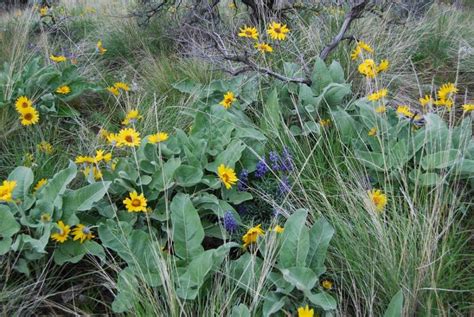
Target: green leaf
229,157
271,112
440,160
5,244
334,94
295,241
336,72
320,235
272,304
320,77
323,300
8,225
372,160
128,287
23,176
425,179
82,199
188,232
240,311
188,176
345,124
73,251
302,278
395,308
163,178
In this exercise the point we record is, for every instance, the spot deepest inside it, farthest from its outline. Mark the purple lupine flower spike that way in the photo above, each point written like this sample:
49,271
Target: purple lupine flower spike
230,224
262,168
275,159
242,185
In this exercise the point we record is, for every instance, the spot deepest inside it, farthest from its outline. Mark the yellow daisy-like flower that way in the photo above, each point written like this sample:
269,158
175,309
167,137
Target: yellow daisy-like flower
263,47
103,133
446,91
378,198
40,184
107,157
227,176
468,107
63,234
6,190
45,147
383,66
135,203
327,284
372,132
278,229
158,137
99,156
29,116
43,11
252,235
381,109
325,123
82,233
426,100
114,91
129,137
63,90
278,31
249,32
448,103
405,111
57,59
113,138
356,52
378,95
84,159
22,104
122,86
229,98
368,68
96,173
100,48
360,47
305,312
132,117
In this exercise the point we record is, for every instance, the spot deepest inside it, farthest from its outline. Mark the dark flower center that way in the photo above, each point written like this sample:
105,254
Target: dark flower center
28,116
129,138
24,104
136,203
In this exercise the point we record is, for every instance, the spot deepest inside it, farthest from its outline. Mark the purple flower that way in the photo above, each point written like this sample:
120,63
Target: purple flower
284,186
243,180
275,159
262,168
230,224
287,161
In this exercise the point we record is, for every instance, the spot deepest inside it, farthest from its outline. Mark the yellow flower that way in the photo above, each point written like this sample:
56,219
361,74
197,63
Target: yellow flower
22,104
227,176
158,137
63,90
229,98
6,190
57,59
372,132
135,203
326,284
100,48
113,138
40,184
248,31
378,198
405,111
468,107
82,233
383,66
426,100
277,31
361,46
325,123
95,172
63,234
45,217
84,159
378,95
368,68
448,103
29,116
107,157
446,91
43,11
45,147
263,47
305,312
381,109
103,133
252,235
121,85
114,91
232,5
128,137
278,229
132,117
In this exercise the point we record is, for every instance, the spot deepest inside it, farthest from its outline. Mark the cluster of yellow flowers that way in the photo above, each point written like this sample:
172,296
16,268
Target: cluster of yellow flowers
253,233
28,114
81,233
276,31
6,190
91,163
445,98
368,67
378,199
117,87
